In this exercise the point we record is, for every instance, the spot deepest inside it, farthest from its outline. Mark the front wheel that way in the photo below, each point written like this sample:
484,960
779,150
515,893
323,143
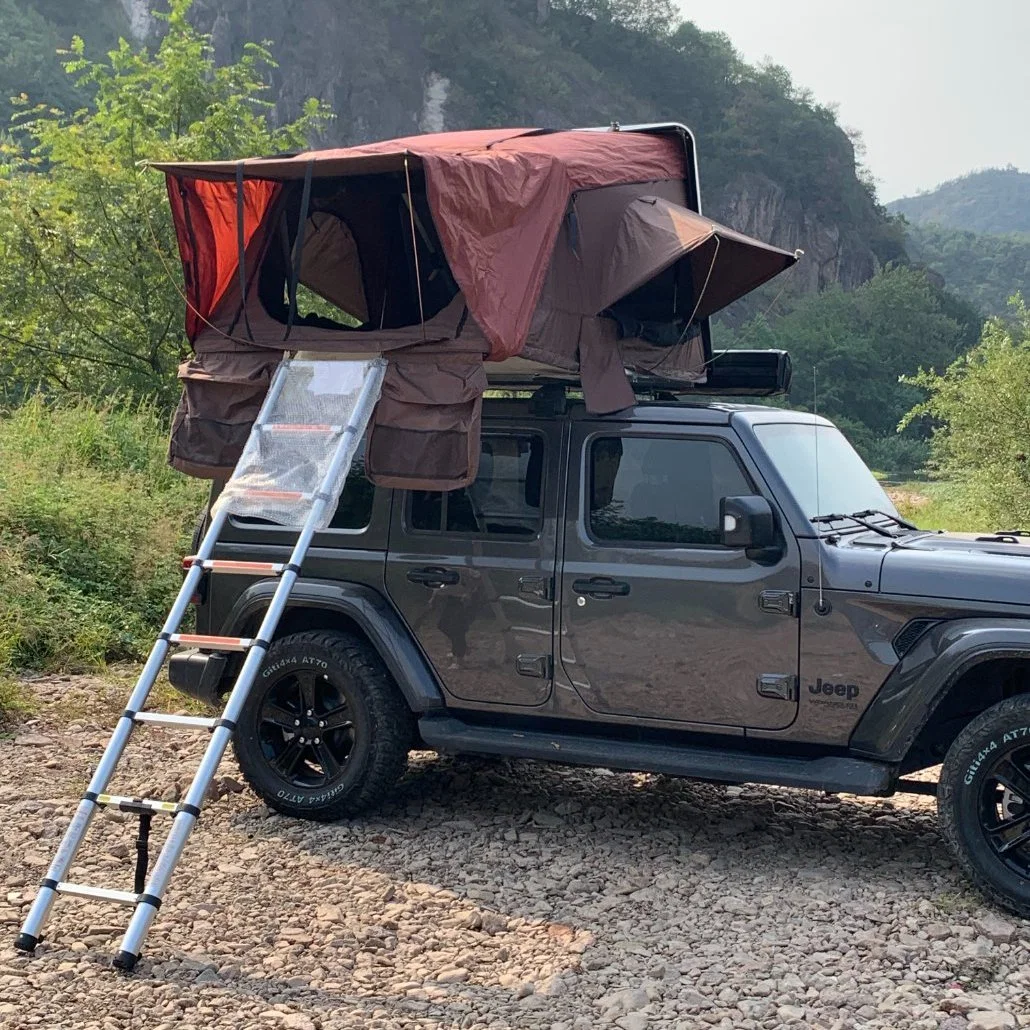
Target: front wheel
325,732
983,800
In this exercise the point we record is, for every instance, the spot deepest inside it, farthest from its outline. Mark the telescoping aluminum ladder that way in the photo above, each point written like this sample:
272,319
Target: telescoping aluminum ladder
148,892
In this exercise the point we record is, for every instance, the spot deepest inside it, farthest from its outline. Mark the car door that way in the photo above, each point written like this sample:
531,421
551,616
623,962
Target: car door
658,619
472,571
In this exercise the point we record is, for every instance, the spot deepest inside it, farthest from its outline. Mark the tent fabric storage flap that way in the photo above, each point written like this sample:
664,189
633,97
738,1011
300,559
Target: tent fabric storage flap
579,249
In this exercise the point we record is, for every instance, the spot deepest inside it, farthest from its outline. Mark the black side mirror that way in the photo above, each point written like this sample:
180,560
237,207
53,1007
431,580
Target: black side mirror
747,522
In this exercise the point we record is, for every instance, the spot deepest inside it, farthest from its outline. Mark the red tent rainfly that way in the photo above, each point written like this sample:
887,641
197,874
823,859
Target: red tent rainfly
578,249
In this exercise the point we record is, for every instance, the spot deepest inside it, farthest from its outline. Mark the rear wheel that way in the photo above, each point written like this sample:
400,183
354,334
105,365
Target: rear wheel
325,732
984,802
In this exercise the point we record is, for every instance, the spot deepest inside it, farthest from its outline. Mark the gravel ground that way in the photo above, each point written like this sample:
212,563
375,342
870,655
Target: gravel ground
496,894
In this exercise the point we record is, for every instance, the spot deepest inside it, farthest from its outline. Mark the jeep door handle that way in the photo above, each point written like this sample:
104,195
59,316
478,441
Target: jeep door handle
433,577
600,587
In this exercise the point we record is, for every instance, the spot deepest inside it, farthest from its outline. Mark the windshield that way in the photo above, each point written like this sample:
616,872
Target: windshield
844,484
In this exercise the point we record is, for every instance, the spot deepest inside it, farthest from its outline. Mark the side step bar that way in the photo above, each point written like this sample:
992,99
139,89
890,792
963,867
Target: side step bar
837,775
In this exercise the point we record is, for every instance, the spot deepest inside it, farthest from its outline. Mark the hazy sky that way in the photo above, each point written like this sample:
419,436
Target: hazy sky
937,87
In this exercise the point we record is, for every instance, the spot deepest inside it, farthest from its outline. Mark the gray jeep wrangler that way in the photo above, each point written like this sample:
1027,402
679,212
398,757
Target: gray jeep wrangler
701,589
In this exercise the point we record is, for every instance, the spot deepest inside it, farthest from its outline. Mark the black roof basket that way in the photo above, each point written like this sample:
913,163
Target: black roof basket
732,373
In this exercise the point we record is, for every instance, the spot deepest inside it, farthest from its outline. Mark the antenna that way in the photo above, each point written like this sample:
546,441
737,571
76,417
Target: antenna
821,607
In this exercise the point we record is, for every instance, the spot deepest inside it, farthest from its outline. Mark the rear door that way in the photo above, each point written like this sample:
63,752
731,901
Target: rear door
658,619
472,571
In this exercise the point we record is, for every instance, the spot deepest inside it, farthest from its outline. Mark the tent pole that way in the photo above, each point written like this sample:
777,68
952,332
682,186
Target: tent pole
298,246
241,243
414,249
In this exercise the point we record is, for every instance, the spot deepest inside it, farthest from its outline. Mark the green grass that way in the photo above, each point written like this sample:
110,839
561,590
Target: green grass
938,505
93,525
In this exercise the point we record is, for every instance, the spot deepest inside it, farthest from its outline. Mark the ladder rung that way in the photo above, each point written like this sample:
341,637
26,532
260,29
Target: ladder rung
267,495
297,427
199,722
210,643
136,805
83,890
235,568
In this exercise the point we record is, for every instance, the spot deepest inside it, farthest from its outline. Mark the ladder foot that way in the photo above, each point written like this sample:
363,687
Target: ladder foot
26,942
125,961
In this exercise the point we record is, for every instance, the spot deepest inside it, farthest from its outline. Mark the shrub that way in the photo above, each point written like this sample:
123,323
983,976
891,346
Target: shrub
981,408
93,525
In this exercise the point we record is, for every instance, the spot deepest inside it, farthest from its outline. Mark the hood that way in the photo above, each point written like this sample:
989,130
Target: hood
964,567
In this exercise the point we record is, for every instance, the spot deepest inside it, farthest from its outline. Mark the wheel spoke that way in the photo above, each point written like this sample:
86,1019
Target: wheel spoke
274,713
337,719
1015,777
306,683
327,760
1012,833
290,757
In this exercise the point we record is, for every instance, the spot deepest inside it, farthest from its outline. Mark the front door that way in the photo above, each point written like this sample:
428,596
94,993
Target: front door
658,619
472,571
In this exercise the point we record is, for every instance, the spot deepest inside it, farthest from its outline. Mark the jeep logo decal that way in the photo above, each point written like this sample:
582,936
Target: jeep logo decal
844,691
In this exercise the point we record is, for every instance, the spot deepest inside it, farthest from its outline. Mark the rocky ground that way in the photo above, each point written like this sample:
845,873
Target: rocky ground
498,895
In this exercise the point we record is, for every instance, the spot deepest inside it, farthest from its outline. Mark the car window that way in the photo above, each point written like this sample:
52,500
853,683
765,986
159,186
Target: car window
355,508
660,491
504,500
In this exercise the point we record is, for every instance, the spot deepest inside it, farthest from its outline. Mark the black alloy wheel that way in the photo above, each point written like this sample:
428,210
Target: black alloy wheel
306,727
983,800
1005,809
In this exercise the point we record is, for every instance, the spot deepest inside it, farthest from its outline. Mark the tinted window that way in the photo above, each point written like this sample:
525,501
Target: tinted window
504,500
661,491
355,508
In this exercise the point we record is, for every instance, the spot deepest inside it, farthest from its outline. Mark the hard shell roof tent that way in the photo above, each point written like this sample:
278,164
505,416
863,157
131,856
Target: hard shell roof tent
580,251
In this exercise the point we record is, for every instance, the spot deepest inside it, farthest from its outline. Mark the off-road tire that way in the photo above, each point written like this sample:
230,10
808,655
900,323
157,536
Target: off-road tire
1001,731
383,726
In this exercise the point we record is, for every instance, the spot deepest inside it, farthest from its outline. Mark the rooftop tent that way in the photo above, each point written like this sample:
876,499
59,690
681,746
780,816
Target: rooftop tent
583,250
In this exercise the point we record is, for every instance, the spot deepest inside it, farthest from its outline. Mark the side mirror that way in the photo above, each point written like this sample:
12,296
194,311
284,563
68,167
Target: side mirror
747,522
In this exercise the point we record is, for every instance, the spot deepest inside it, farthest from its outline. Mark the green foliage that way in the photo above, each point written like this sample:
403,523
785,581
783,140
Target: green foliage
981,407
849,349
983,268
995,200
93,524
654,17
89,292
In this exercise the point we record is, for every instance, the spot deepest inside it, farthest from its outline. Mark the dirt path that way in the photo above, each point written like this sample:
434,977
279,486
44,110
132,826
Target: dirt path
499,895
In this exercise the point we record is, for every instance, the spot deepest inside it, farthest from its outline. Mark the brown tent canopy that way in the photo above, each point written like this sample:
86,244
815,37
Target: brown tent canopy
578,249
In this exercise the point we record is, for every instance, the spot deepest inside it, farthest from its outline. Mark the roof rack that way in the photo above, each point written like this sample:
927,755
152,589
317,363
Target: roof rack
732,373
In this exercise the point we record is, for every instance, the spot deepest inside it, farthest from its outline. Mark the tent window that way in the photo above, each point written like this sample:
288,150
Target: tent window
504,500
655,491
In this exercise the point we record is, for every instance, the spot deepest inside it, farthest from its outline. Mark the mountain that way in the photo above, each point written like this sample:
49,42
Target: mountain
996,200
985,269
773,162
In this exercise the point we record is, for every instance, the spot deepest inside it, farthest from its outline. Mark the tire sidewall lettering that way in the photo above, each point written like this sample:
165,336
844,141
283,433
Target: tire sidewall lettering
309,661
992,747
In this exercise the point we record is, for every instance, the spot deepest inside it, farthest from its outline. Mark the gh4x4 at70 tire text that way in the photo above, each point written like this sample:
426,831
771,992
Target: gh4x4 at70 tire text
984,802
325,733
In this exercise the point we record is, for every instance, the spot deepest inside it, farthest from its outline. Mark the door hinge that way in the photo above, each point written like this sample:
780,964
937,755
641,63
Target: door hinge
778,602
537,586
779,686
536,666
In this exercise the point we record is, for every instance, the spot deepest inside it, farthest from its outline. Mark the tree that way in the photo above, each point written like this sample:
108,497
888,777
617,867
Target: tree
653,17
981,407
90,292
849,349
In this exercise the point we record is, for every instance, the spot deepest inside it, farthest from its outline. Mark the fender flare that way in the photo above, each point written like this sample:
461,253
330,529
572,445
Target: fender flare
921,680
374,615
